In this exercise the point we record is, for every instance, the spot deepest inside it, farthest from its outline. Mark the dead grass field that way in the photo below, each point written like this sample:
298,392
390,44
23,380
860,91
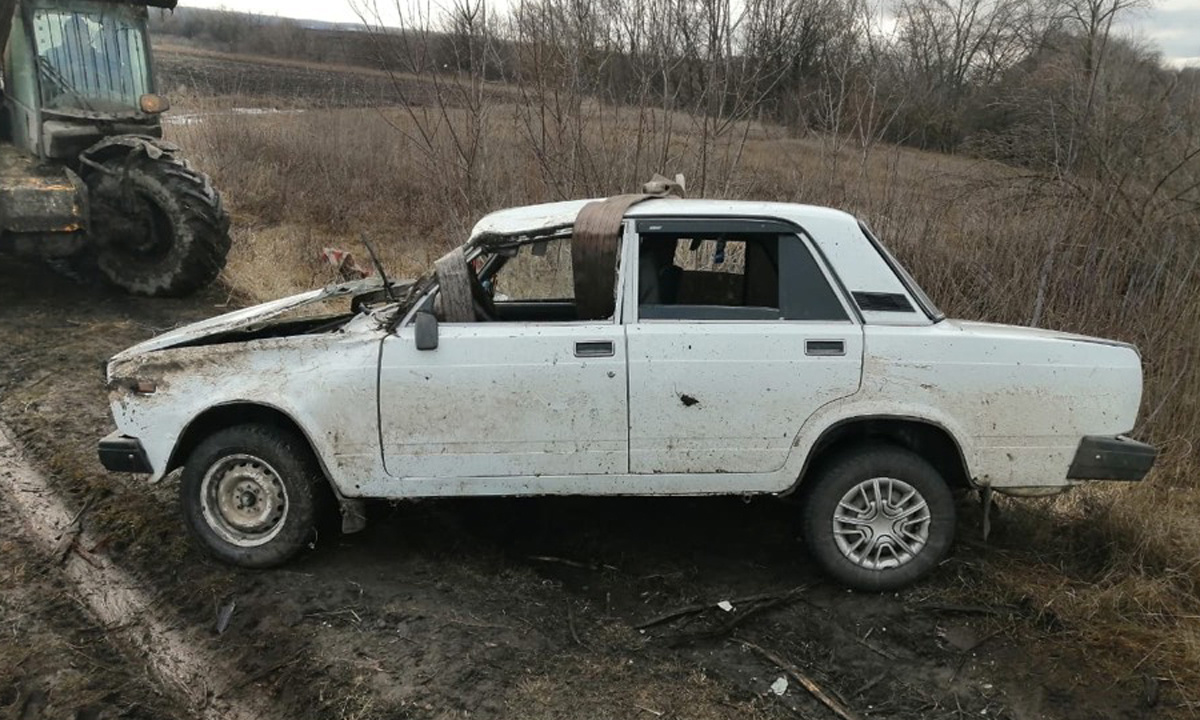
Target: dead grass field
1112,569
203,77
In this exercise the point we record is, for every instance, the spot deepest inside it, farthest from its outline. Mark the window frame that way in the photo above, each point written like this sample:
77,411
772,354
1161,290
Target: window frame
916,294
519,249
475,251
659,225
136,16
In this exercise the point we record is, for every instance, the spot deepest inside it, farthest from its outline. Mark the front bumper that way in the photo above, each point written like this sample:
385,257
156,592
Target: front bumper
119,453
1102,457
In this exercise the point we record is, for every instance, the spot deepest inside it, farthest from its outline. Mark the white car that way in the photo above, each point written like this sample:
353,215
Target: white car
667,347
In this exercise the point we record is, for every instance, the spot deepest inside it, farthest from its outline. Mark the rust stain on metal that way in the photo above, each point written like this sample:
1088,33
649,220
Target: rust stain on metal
48,184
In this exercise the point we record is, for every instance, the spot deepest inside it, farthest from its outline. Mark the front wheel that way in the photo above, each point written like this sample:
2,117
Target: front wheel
878,517
249,495
161,227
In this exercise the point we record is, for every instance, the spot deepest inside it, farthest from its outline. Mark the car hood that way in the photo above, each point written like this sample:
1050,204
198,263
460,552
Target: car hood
252,317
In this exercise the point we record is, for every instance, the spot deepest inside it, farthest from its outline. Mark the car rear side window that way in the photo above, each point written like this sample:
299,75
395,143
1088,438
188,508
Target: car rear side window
732,276
805,293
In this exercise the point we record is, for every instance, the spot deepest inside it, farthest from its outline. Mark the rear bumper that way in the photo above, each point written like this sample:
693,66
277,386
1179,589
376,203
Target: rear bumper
1102,457
119,453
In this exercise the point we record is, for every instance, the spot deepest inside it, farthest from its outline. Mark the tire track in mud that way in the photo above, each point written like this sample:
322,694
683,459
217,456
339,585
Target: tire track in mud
200,679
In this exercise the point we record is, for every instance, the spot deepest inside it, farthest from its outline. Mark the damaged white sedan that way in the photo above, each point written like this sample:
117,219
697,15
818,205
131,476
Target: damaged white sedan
635,346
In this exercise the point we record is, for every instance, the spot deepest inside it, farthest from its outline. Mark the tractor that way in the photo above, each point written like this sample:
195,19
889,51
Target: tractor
86,179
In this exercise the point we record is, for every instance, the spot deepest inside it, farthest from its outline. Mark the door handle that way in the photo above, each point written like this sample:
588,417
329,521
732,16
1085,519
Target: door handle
825,348
595,349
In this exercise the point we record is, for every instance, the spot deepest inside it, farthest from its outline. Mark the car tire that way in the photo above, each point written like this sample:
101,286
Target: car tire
249,495
878,517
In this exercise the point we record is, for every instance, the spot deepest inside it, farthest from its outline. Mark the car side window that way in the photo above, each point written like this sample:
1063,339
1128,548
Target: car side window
527,282
536,273
805,291
732,276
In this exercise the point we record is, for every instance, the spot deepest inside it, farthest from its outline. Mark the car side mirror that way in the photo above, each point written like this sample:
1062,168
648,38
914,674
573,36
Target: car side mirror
426,325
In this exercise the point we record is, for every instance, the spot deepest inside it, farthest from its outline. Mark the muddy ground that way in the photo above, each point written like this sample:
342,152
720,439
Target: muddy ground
56,661
484,608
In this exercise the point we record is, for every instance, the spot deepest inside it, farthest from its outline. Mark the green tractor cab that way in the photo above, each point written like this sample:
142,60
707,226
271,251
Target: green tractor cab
85,175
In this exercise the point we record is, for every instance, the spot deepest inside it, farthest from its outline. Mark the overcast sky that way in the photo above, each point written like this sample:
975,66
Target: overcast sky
1173,25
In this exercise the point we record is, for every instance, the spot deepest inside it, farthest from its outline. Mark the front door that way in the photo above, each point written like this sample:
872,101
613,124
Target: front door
528,392
737,339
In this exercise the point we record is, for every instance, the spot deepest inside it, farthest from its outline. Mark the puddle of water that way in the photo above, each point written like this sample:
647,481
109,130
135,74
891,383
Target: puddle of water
199,118
186,119
201,678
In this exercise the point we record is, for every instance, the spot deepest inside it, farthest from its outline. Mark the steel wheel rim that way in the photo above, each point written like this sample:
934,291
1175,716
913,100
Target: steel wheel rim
244,500
881,523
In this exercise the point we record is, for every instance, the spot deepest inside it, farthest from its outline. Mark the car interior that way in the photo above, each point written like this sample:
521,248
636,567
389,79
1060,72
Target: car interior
729,276
678,277
682,275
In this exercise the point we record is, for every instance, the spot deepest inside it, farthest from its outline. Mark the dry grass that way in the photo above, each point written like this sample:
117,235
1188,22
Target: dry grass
1117,566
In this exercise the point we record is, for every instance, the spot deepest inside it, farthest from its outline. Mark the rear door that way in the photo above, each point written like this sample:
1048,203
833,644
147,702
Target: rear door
738,336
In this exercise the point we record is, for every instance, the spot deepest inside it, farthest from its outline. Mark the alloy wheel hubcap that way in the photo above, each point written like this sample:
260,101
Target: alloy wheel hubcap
881,523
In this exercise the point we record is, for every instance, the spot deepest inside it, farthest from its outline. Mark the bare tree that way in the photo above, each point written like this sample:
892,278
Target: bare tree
450,108
950,48
1092,21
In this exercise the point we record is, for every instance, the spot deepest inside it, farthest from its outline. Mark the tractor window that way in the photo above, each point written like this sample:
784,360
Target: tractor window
91,60
20,69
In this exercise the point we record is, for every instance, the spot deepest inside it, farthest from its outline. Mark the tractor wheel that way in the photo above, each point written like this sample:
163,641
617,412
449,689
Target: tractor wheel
161,228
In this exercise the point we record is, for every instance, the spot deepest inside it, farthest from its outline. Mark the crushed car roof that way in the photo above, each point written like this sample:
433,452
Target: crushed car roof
535,219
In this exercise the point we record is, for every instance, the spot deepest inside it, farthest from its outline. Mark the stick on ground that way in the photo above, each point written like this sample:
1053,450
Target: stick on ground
809,684
774,598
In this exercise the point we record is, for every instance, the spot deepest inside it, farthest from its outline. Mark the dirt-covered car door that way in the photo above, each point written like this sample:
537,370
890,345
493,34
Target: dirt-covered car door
529,392
737,337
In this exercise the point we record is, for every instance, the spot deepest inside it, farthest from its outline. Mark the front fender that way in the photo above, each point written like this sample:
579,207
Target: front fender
120,145
326,385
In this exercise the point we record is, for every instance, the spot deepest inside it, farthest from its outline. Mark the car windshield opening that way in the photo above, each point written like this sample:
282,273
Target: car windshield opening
91,59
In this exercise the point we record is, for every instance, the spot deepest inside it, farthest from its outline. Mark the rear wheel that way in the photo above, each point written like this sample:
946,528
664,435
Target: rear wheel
250,495
878,517
161,228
